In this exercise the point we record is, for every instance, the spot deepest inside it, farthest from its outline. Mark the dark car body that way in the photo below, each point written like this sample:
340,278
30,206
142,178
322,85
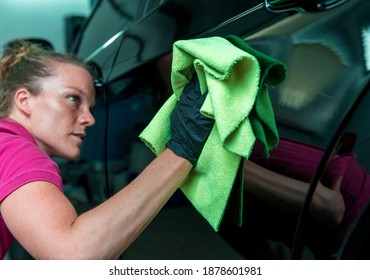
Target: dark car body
324,101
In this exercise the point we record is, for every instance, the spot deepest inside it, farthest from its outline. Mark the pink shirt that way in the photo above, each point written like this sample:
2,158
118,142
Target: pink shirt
21,162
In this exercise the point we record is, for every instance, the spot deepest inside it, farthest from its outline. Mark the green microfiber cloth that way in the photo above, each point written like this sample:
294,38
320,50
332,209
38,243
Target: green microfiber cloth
273,72
233,79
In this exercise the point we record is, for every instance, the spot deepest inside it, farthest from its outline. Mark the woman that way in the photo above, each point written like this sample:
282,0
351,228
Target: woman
45,110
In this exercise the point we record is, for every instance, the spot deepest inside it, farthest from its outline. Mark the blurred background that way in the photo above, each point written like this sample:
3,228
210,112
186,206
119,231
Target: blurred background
47,20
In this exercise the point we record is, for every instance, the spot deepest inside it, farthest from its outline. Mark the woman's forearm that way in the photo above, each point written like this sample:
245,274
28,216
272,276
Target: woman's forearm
136,204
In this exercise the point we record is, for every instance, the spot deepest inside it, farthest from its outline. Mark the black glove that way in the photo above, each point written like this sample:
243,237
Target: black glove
190,129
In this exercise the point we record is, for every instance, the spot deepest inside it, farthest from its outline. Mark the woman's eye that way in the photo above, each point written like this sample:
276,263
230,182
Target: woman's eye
74,98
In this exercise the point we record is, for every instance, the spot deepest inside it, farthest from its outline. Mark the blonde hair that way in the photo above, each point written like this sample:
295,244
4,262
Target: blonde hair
24,65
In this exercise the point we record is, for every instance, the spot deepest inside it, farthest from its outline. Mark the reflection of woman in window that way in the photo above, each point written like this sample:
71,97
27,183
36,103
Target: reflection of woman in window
277,186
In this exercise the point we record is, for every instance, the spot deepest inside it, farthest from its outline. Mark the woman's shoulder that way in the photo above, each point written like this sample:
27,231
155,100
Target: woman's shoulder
21,160
10,127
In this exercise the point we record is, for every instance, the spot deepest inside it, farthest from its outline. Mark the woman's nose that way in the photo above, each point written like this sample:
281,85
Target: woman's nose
87,118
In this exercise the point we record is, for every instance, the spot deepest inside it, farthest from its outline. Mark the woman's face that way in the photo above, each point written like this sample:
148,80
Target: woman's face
61,112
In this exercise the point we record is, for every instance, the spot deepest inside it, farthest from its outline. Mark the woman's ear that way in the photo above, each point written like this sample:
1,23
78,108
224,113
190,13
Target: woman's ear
22,101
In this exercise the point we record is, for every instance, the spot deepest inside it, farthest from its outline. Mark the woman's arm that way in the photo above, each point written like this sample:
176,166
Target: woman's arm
47,225
288,194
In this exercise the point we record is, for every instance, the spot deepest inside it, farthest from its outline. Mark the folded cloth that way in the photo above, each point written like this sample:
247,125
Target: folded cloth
233,80
273,72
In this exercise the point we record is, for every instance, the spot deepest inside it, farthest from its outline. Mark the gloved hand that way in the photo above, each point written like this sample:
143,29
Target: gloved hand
190,129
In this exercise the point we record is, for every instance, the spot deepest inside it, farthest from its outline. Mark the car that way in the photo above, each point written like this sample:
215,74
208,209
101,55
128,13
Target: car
322,103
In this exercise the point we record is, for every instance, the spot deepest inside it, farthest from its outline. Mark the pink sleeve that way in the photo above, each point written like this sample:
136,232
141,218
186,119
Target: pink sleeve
22,162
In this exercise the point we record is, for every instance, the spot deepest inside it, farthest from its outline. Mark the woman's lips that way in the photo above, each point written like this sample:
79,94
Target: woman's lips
81,136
